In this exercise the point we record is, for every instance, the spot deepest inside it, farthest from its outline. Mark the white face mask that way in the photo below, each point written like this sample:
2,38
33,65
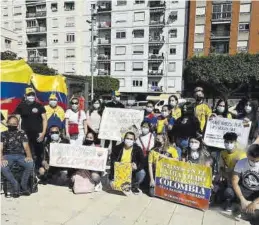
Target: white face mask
96,105
253,164
194,146
220,109
117,99
195,155
229,146
173,103
54,137
53,103
248,109
164,114
128,142
30,98
145,130
74,107
148,109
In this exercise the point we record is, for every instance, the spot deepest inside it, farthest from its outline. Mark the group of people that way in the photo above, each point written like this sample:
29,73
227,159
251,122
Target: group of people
176,132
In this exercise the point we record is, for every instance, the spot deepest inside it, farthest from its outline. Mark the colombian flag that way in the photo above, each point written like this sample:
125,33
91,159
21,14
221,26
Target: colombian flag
15,77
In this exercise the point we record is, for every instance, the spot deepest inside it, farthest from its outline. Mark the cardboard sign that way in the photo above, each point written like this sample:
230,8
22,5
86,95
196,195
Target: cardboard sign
115,122
217,127
185,183
122,176
78,157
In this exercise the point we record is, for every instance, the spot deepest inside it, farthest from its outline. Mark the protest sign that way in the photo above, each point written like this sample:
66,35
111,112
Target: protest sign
185,183
5,115
116,122
122,176
78,157
217,127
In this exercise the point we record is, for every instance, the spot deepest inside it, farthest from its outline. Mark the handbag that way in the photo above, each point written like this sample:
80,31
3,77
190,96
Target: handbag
83,183
73,127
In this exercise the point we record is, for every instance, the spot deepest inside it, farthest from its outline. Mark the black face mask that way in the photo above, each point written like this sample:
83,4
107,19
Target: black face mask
158,144
199,98
89,142
12,128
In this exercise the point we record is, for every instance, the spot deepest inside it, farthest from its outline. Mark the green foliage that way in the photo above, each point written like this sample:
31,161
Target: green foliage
42,69
224,74
8,55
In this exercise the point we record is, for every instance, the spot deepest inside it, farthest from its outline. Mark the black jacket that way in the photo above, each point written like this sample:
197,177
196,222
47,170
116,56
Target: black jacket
137,157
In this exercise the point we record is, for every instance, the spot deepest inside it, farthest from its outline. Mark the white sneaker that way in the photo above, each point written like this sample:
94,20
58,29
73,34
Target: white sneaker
98,187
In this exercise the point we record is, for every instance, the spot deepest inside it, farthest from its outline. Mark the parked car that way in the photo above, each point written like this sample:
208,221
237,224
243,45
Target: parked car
139,105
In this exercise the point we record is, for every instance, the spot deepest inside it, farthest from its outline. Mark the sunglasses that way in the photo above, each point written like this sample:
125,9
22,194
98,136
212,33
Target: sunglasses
54,132
74,103
30,94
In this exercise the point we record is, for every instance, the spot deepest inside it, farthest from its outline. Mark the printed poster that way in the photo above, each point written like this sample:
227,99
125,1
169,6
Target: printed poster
122,176
217,127
78,156
185,183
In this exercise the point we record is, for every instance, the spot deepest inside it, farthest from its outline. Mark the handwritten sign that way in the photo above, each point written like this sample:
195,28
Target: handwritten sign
78,157
122,176
185,183
217,127
116,122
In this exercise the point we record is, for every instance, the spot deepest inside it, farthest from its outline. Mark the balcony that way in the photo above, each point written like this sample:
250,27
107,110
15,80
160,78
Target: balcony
104,25
157,22
36,29
103,41
156,40
156,4
155,89
156,57
36,14
103,72
219,47
36,44
106,7
103,58
154,73
40,59
220,34
219,16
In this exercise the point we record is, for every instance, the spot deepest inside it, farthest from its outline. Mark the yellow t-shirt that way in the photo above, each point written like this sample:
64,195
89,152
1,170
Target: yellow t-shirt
202,112
126,156
177,113
160,126
153,156
230,160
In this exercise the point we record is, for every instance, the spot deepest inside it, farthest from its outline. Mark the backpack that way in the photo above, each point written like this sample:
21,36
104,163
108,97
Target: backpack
83,183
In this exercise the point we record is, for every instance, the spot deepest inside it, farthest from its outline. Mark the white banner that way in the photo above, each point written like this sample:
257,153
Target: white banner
116,122
78,156
217,127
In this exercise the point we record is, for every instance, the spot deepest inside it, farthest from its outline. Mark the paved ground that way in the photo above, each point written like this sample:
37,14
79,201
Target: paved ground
54,205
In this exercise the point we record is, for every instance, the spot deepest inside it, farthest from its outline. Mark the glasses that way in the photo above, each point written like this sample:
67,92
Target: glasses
54,132
31,94
74,103
53,99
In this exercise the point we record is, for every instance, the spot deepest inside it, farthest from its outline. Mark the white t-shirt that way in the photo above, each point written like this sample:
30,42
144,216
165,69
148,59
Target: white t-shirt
94,120
73,118
145,140
249,175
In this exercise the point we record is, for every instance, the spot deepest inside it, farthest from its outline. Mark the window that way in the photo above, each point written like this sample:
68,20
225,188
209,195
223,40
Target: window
171,82
172,17
120,50
138,33
120,34
71,38
70,68
242,46
40,8
137,66
120,66
55,38
54,22
139,1
139,16
245,8
5,11
17,10
173,50
69,6
174,2
7,43
138,49
200,11
137,83
173,33
244,26
121,17
155,51
199,29
54,7
70,53
70,21
121,2
122,82
31,23
18,25
171,66
55,53
6,25
198,47
19,40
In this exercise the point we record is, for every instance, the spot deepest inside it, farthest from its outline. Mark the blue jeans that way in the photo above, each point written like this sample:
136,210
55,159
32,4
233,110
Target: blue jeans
6,171
138,178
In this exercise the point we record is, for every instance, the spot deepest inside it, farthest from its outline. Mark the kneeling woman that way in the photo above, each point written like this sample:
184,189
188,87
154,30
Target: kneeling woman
161,150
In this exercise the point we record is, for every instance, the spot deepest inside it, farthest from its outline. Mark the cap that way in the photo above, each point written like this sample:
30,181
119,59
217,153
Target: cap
116,93
197,89
53,96
29,90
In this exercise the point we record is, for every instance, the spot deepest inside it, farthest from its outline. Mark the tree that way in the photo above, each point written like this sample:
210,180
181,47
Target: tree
223,74
42,69
8,55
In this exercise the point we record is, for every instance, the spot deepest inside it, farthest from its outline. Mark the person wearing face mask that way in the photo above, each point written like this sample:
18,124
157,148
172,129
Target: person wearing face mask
129,152
245,182
164,122
149,115
94,116
34,123
202,110
221,110
55,114
161,149
15,149
75,123
176,110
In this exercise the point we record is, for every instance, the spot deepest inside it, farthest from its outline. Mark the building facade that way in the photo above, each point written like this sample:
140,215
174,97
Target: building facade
223,27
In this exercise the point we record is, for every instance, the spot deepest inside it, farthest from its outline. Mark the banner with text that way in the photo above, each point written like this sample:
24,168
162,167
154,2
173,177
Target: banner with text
78,157
217,127
185,183
116,122
122,176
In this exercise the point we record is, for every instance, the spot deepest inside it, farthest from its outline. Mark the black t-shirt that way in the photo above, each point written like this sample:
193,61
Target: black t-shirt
31,115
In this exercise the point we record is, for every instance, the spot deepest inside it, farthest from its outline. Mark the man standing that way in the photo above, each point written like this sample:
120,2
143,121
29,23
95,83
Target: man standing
34,123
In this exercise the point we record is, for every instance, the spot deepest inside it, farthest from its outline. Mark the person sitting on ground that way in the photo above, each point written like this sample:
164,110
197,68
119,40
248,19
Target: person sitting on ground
150,116
14,147
160,150
164,122
129,152
46,173
245,182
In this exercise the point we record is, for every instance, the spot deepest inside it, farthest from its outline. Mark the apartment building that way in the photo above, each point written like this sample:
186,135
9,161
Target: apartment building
8,40
223,27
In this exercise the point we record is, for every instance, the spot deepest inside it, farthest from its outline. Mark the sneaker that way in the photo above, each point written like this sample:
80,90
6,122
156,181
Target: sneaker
136,191
26,193
16,195
98,187
228,206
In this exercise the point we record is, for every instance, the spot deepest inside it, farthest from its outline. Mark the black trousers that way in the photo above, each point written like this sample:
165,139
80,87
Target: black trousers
107,143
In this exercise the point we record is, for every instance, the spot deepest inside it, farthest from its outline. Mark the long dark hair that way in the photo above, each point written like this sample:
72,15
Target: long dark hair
241,108
91,109
225,113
